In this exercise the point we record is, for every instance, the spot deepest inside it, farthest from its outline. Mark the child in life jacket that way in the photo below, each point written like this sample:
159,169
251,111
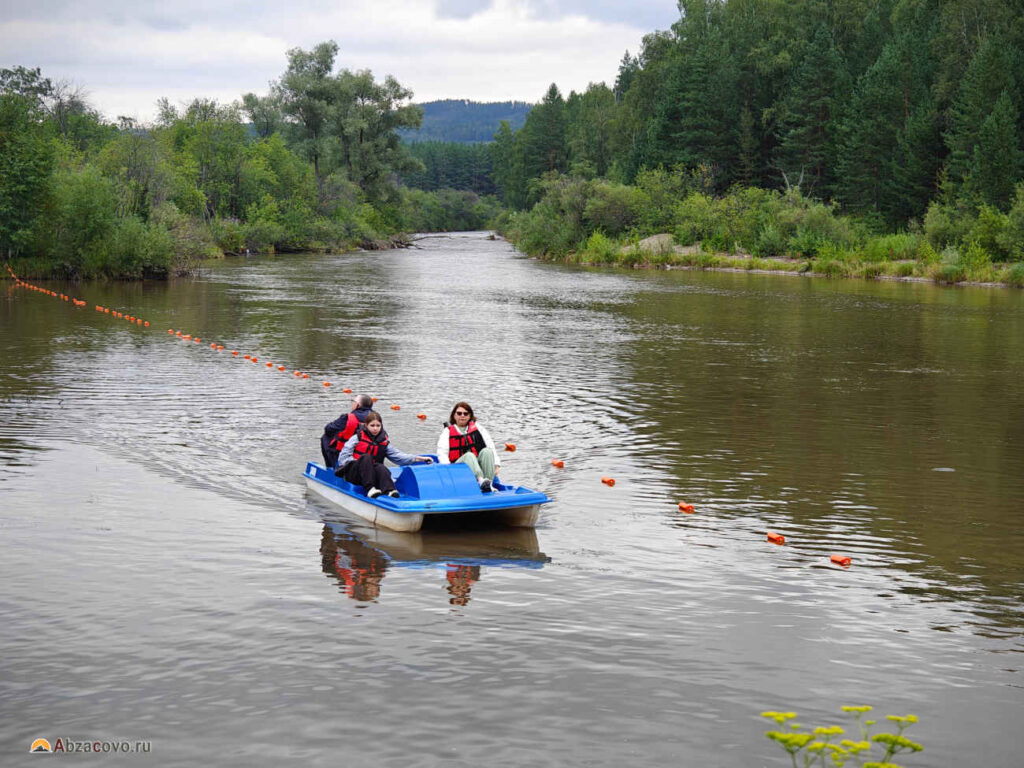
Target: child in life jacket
362,459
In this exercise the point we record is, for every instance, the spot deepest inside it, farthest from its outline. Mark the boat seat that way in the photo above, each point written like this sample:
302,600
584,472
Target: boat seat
436,481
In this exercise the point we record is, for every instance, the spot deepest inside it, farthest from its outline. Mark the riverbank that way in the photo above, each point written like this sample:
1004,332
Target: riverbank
188,263
659,252
660,222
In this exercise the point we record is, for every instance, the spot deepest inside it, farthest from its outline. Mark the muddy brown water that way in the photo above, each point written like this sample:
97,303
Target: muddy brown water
166,576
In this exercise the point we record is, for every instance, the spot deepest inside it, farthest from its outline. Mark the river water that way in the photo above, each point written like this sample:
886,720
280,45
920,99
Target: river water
167,577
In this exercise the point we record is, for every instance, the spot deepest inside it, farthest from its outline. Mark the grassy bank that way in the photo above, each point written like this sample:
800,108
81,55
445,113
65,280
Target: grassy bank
663,222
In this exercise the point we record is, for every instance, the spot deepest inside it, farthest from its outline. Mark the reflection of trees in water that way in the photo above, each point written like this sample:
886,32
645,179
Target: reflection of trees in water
359,568
839,402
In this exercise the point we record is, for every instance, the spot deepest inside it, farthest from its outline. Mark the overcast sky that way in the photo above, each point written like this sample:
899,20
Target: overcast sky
129,53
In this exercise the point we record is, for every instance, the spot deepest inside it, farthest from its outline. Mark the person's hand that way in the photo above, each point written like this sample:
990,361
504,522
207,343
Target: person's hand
424,460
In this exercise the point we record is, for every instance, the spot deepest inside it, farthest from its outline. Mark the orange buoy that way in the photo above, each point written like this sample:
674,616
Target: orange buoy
235,352
374,399
347,391
220,347
106,310
687,508
196,339
146,323
280,367
270,365
841,559
510,447
421,415
776,538
305,375
297,373
213,346
609,481
327,383
248,357
557,463
396,407
254,359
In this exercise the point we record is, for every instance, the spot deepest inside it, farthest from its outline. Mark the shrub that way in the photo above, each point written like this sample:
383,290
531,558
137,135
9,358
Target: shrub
1012,240
612,208
989,232
832,268
695,219
947,273
1015,276
770,242
600,249
804,243
974,256
892,248
905,269
945,225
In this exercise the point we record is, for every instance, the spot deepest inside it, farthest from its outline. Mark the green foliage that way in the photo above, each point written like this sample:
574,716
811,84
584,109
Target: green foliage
26,160
612,208
445,210
892,247
821,745
601,250
447,165
1015,276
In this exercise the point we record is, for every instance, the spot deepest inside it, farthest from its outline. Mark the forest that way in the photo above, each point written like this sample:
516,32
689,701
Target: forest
314,164
860,135
842,137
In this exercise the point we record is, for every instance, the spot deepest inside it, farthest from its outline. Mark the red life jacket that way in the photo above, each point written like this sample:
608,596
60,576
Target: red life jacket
366,444
351,425
459,443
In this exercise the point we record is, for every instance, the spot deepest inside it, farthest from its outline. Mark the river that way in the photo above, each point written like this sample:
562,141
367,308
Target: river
167,577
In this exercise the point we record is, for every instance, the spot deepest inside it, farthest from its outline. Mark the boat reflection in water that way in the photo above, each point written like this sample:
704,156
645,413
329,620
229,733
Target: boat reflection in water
359,556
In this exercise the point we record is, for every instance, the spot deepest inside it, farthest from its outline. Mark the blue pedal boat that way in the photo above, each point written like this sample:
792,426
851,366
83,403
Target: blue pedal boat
429,489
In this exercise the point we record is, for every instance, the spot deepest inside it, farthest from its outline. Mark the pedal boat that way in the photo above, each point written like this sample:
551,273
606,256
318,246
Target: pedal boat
427,490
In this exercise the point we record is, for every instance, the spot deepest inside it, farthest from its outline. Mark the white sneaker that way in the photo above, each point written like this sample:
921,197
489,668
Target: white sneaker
393,494
373,493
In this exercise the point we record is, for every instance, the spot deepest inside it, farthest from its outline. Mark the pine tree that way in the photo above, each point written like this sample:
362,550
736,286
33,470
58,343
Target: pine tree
807,121
996,164
990,74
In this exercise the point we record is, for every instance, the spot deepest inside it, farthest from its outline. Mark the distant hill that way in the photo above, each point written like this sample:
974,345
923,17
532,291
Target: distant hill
466,122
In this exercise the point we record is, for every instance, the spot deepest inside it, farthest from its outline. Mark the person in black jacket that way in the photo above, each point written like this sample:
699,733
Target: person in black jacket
337,433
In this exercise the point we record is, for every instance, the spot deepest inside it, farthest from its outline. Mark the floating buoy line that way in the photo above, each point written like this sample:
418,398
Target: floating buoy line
775,538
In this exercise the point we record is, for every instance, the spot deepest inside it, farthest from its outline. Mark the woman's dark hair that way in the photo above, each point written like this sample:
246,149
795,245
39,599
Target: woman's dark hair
373,416
465,406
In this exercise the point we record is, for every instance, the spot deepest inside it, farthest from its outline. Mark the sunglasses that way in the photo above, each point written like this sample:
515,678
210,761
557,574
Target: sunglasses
462,413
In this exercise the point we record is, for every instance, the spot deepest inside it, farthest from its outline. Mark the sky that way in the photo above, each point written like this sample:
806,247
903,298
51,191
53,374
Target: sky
126,54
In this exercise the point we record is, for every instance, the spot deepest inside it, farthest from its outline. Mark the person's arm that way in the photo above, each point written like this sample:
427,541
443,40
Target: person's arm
489,443
332,429
442,448
346,452
404,459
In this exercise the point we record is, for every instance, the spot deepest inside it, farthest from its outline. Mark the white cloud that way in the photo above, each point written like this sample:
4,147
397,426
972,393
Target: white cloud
128,54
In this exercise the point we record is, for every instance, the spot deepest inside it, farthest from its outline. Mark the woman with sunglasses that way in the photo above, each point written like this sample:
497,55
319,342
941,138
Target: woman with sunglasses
464,441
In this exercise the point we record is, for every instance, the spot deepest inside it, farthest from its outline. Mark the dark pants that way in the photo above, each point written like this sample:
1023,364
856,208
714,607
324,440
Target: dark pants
366,472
